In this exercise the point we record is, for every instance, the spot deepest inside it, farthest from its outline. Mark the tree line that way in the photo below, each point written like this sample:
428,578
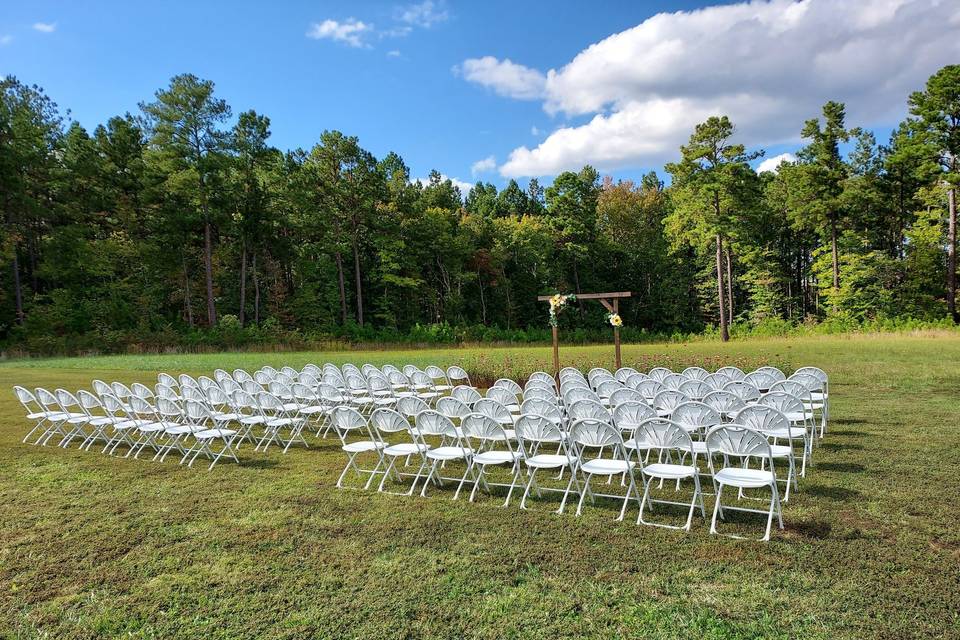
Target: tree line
183,221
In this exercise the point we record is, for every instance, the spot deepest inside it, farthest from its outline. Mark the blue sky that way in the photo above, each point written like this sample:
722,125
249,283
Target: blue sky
491,90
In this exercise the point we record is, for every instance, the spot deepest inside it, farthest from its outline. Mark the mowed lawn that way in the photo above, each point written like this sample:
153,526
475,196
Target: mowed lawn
98,546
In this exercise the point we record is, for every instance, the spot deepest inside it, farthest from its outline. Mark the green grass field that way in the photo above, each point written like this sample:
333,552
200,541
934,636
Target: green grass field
94,546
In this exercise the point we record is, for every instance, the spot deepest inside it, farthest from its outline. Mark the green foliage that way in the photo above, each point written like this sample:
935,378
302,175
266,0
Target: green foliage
149,231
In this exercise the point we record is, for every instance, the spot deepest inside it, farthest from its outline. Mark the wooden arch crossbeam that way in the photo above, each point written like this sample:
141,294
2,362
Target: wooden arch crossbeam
611,301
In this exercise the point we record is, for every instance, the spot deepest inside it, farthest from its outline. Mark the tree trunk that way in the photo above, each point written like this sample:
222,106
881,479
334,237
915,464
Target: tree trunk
952,254
256,291
243,284
576,284
17,290
724,331
729,288
186,291
836,255
208,266
343,289
483,302
356,273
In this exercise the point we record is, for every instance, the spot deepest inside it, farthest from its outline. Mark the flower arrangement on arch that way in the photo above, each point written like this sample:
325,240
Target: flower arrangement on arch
557,303
614,319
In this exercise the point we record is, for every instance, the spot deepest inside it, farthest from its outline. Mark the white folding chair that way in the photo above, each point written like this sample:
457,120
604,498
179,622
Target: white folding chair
533,432
452,448
385,424
491,447
589,439
668,438
349,425
738,442
198,414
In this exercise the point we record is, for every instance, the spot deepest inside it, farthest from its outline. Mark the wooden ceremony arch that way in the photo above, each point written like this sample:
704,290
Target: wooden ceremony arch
609,300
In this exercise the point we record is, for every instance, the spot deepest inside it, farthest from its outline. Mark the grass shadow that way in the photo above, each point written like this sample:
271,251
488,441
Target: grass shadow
833,493
840,446
843,467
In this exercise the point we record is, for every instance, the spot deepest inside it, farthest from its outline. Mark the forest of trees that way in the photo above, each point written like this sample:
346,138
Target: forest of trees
181,225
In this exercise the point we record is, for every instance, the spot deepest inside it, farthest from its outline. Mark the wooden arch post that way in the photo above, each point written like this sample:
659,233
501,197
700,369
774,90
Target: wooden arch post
612,303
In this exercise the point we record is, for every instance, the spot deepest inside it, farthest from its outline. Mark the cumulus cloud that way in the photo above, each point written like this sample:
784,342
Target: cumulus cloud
768,65
773,164
503,76
5,39
45,27
350,32
534,131
483,166
425,14
393,53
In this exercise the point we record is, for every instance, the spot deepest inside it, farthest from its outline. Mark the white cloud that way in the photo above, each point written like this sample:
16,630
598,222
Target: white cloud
45,27
773,164
5,39
768,65
425,14
534,131
483,166
351,31
460,184
504,77
393,53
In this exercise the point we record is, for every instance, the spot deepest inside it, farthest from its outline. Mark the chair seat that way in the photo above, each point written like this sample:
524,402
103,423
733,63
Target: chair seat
363,445
312,410
549,461
792,432
226,417
283,422
670,471
180,429
151,427
496,457
79,419
101,421
252,420
405,449
631,443
797,416
442,387
744,478
209,434
606,466
781,451
448,453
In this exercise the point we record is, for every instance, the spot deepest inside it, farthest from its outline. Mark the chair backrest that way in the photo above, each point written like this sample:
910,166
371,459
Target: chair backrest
217,397
241,375
409,370
465,394
350,369
100,387
733,373
356,383
737,441
421,380
388,421
330,395
251,386
27,399
308,378
493,409
193,393
398,380
89,401
696,389
659,373
312,369
168,410
576,394
816,372
628,415
167,379
785,403
747,392
271,404
541,407
142,408
485,430
589,433
716,381
245,403
68,402
623,373
542,377
663,435
582,409
197,413
220,375
457,375
724,402
229,385
625,394
122,391
810,381
534,430
452,408
410,406
111,404
438,374
649,388
346,420
187,381
762,419
635,379
792,387
674,380
696,416
695,373
206,382
433,423
379,386
504,396
606,388
304,394
540,393
669,400
509,385
263,377
775,373
760,379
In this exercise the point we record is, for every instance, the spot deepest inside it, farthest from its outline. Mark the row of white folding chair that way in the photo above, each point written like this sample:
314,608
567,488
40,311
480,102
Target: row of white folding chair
480,442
